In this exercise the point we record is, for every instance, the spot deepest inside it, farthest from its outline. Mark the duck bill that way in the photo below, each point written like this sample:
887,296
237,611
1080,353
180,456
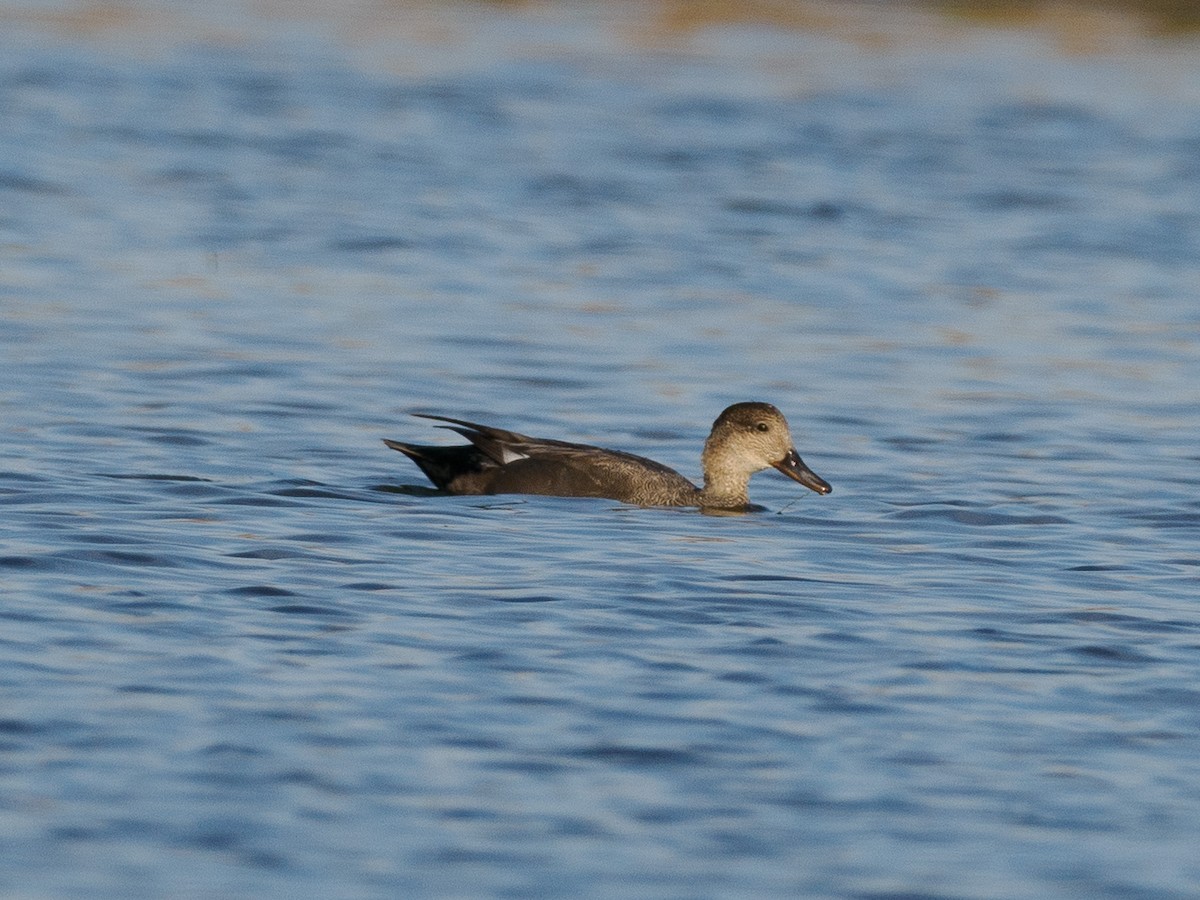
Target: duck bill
794,468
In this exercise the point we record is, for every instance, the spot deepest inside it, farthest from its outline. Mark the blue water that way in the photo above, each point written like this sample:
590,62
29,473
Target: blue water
243,654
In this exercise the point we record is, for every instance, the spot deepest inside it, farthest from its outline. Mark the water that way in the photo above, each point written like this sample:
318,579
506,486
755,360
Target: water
241,658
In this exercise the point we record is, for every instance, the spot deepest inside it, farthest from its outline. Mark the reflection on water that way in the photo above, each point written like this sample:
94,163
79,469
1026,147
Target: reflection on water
247,652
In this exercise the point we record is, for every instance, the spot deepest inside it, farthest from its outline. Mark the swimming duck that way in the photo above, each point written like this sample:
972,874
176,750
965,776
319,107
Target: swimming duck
746,438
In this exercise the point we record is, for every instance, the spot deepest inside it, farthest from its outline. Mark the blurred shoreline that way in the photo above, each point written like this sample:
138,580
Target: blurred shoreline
1099,26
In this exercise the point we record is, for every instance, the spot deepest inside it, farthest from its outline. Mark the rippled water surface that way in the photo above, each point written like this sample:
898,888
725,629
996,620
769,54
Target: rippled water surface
244,653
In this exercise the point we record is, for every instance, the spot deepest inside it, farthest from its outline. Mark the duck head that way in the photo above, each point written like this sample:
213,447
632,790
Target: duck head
747,438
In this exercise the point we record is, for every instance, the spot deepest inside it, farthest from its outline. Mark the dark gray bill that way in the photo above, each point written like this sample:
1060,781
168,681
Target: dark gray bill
793,467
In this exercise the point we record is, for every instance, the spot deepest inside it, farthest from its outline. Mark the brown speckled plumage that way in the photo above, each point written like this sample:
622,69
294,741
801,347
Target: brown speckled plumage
745,438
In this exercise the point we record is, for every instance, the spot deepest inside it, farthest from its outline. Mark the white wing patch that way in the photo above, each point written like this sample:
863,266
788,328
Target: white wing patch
507,455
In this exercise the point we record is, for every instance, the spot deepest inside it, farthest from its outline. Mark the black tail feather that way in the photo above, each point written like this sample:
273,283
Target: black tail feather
442,465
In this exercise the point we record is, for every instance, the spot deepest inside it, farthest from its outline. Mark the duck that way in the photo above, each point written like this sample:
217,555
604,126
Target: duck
746,438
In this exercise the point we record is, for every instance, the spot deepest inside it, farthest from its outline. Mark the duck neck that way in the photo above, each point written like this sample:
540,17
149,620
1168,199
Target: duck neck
725,486
724,496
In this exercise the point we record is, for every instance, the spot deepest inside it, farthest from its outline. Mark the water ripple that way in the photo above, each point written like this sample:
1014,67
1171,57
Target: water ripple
248,651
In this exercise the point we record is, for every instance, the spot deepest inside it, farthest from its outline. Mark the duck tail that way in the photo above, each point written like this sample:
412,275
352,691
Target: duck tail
442,465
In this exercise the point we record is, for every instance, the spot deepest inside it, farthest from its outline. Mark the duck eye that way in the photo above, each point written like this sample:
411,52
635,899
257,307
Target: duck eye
762,426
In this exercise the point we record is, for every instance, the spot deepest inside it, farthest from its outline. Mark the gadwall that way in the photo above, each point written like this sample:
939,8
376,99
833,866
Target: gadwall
746,438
